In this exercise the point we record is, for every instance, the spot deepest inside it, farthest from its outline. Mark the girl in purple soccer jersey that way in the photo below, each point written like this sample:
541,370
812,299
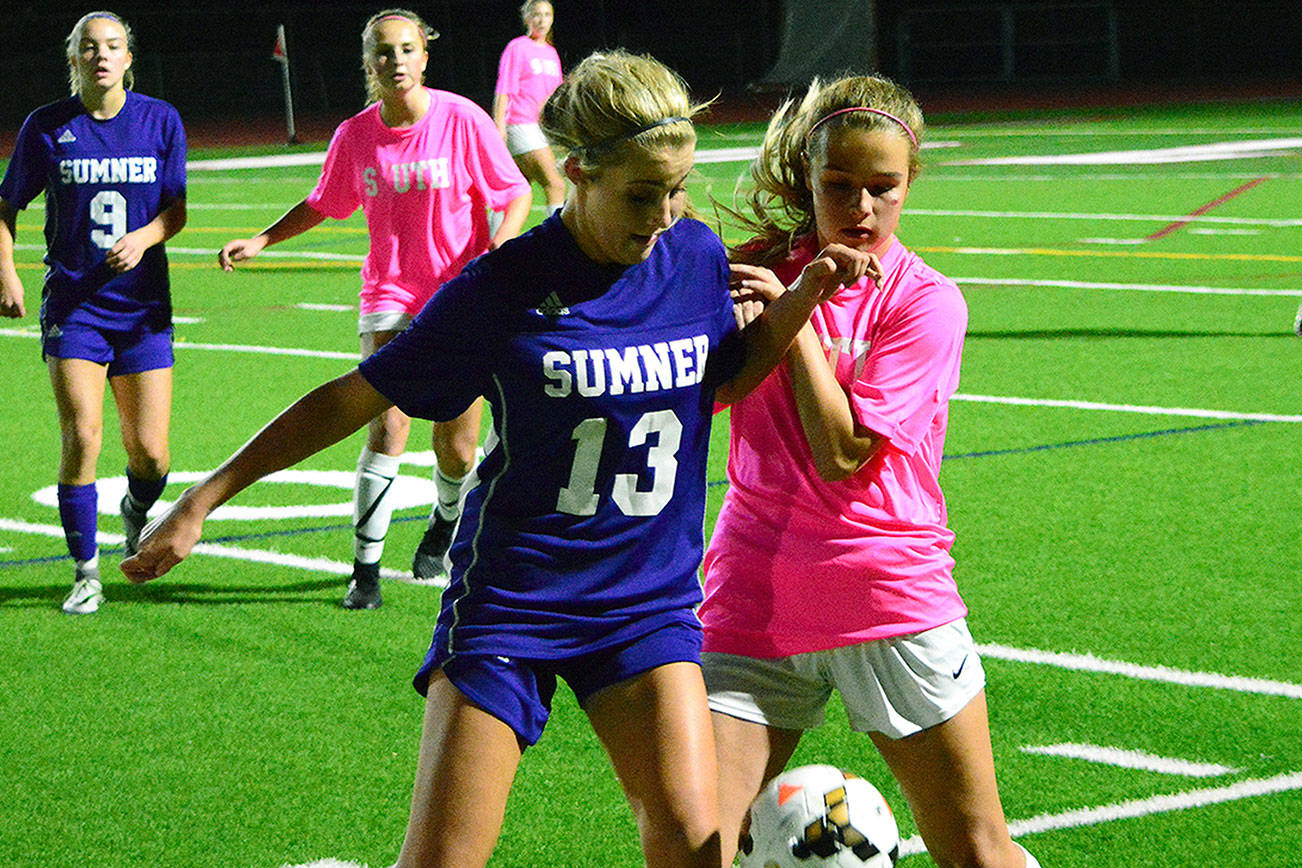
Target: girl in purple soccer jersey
424,166
602,339
829,566
111,163
530,69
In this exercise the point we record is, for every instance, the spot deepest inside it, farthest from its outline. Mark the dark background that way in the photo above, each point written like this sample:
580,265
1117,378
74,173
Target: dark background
213,60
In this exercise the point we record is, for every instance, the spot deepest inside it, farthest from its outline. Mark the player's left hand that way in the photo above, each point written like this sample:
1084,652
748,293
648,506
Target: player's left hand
165,542
752,288
126,253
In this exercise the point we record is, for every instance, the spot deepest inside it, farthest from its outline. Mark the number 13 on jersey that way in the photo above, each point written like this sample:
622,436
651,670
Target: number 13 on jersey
580,497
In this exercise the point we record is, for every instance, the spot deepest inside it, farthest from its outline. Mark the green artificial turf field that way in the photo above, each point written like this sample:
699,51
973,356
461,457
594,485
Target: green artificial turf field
1122,471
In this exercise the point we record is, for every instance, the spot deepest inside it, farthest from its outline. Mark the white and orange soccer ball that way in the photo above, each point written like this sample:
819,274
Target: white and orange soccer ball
819,816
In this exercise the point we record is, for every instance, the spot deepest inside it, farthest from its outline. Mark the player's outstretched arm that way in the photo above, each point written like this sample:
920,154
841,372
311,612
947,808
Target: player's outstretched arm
295,221
319,419
768,337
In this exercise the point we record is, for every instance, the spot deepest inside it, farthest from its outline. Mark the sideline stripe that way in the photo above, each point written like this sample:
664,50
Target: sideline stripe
261,556
1126,408
1138,808
1166,674
984,399
1130,287
1203,209
274,351
1131,759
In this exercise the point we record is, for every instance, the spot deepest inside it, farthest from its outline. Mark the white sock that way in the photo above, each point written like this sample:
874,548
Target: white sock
1031,861
372,507
448,490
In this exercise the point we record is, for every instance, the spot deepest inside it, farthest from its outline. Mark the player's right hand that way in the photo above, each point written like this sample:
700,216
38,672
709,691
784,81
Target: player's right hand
836,266
11,301
164,542
239,250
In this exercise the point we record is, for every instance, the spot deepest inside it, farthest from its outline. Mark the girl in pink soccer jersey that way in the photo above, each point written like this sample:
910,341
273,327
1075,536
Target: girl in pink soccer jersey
424,166
527,74
829,566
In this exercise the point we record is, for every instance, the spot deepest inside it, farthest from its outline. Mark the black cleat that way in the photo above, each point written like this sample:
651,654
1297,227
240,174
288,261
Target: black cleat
433,548
364,587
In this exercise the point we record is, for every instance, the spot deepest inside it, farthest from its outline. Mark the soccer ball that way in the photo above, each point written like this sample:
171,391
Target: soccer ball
820,817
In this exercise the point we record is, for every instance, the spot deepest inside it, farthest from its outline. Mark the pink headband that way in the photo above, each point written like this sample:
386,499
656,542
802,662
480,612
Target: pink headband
860,108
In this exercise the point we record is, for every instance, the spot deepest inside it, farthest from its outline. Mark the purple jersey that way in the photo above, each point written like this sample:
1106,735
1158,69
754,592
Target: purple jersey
102,179
584,528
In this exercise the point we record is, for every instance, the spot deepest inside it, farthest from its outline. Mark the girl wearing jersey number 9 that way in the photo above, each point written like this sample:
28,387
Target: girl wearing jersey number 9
111,163
602,339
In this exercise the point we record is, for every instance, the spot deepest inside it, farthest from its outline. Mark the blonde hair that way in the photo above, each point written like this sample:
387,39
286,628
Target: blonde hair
527,9
74,49
373,90
613,101
780,207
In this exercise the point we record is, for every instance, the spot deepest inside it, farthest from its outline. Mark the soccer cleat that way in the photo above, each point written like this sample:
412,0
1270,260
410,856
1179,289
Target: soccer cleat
1297,323
364,587
433,548
133,520
87,593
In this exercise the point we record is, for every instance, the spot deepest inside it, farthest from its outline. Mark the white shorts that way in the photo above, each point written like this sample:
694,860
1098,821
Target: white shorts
895,686
523,138
383,321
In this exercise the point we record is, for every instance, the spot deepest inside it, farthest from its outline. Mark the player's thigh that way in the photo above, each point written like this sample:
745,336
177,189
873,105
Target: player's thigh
947,773
468,759
656,729
144,402
78,386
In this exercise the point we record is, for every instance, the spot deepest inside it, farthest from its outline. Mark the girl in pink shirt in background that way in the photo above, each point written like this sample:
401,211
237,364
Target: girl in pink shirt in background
425,166
530,69
829,566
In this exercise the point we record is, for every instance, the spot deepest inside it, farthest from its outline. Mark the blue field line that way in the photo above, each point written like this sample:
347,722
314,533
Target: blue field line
1098,441
1094,441
1022,450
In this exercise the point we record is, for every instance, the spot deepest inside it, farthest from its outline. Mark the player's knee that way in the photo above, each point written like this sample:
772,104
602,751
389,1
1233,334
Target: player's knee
149,461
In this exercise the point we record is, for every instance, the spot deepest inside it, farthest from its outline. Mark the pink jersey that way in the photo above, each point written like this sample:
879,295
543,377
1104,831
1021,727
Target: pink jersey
425,190
527,73
797,564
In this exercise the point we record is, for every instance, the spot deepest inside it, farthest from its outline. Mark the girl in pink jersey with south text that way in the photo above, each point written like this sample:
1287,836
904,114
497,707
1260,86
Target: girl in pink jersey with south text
830,566
530,69
425,166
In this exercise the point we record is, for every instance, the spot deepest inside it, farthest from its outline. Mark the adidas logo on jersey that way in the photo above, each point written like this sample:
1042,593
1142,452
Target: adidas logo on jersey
66,137
551,306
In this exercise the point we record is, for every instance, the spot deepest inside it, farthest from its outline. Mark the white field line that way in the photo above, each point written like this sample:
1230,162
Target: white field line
221,550
1129,287
341,308
1131,759
1274,222
1151,156
1129,408
1090,663
1138,808
980,399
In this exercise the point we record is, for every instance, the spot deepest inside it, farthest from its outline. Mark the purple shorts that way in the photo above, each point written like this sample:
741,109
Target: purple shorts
125,352
519,692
